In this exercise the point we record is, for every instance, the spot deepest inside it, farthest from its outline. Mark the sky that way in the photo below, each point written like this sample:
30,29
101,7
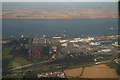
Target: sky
63,4
59,0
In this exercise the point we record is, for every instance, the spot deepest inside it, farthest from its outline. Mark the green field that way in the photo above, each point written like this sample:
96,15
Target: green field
11,60
8,56
7,50
18,61
112,65
115,66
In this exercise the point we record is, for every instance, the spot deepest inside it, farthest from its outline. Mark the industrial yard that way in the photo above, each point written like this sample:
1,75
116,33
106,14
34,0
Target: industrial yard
59,57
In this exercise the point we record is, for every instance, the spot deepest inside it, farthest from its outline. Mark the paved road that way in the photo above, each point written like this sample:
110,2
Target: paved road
28,65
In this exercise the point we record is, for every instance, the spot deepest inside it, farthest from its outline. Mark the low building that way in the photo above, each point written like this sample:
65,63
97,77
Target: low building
115,44
54,48
75,45
40,40
64,44
94,44
105,50
57,37
63,41
82,39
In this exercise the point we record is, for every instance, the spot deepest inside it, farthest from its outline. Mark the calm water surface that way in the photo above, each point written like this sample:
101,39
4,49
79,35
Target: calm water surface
73,28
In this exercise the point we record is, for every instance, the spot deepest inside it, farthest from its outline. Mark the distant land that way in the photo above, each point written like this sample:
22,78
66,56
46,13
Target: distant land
61,13
59,10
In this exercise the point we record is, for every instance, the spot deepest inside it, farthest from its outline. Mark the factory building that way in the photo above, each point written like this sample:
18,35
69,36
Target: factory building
36,52
39,48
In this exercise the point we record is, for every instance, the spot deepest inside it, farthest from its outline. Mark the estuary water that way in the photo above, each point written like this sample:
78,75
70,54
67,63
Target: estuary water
52,27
